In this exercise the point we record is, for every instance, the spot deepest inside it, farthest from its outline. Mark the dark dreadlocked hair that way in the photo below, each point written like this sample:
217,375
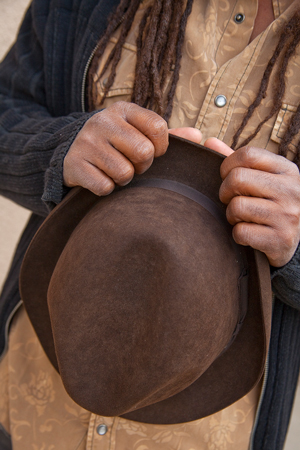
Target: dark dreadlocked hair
286,48
159,51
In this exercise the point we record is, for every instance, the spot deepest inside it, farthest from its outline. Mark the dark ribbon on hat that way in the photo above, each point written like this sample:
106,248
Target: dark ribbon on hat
186,191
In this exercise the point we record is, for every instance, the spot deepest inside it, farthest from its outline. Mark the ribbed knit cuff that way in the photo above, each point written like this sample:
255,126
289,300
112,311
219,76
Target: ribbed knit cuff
286,281
55,190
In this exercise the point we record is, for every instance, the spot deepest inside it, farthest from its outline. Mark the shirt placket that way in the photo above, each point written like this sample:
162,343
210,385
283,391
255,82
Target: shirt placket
225,89
101,433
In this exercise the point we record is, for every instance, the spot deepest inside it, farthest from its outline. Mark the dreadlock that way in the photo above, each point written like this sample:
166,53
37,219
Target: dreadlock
285,50
159,51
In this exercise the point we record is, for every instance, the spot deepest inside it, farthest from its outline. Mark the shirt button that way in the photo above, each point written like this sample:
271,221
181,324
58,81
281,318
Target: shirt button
220,101
102,429
239,18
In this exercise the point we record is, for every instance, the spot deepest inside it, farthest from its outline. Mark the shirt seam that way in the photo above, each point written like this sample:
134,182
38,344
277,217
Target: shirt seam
212,94
231,14
281,122
92,431
112,441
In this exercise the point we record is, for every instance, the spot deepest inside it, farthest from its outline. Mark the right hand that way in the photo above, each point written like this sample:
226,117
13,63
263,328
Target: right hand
113,145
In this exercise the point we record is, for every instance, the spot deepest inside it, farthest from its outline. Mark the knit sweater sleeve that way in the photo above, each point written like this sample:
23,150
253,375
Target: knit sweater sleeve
33,141
286,281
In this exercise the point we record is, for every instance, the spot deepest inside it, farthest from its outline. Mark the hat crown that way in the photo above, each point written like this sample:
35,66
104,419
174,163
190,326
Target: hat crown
150,287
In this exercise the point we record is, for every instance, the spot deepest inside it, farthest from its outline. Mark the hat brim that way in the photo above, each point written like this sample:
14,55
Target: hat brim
239,368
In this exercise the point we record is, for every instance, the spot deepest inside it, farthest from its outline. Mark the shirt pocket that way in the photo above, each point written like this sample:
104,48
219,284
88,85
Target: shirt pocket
282,122
123,84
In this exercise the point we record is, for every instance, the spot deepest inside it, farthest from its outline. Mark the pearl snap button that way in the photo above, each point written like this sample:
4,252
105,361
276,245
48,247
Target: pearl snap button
102,429
239,18
220,101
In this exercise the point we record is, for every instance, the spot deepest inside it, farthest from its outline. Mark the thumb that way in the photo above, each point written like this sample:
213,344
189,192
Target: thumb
192,134
218,146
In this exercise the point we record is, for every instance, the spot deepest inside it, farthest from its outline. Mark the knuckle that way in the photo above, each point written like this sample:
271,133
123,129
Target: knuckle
95,120
289,216
124,109
144,151
249,155
103,187
287,237
284,239
236,177
240,233
294,215
84,138
158,126
289,167
235,210
294,170
244,234
106,124
102,119
290,241
125,175
119,106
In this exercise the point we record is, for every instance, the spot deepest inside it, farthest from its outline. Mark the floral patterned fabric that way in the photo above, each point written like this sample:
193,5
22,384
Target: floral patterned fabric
38,413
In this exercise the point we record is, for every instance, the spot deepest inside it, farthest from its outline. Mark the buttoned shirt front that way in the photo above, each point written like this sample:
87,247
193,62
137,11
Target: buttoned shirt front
220,72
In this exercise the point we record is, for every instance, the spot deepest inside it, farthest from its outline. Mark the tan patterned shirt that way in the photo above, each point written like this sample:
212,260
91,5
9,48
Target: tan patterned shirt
38,413
217,61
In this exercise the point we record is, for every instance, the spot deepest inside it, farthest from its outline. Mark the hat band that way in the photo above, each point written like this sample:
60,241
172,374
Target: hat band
188,192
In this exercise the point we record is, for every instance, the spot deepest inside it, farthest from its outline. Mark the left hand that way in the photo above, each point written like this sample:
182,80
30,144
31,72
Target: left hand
262,194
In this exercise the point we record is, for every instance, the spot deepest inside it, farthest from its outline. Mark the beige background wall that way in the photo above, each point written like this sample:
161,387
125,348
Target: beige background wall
13,217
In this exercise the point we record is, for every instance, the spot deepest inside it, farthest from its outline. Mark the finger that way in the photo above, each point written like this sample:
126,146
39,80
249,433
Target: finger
114,164
135,146
218,146
257,236
266,239
192,134
91,178
276,224
252,210
249,182
259,159
149,124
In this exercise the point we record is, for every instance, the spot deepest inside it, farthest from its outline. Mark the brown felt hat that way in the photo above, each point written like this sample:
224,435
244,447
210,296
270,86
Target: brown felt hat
142,300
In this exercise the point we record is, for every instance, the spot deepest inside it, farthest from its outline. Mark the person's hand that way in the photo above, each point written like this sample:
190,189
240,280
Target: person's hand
113,145
262,194
116,143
